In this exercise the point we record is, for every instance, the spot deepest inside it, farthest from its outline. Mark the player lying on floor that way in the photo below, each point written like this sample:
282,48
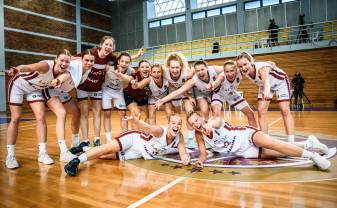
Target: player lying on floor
149,143
248,142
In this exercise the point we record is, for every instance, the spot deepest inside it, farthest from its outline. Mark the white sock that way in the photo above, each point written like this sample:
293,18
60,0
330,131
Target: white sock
76,140
96,138
42,148
108,137
307,154
291,138
11,149
83,158
62,145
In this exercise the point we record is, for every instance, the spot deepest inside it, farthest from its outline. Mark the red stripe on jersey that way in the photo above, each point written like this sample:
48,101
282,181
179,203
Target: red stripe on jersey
278,72
277,76
34,75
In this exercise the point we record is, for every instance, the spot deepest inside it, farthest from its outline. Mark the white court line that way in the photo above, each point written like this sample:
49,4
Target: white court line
166,187
154,194
272,123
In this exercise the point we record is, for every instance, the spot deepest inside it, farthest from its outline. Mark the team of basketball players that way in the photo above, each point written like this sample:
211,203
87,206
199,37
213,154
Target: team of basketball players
110,83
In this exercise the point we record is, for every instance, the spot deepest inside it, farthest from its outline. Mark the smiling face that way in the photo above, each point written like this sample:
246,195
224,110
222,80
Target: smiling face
230,72
88,62
174,125
196,121
62,63
124,63
244,65
145,69
174,69
157,73
201,71
107,47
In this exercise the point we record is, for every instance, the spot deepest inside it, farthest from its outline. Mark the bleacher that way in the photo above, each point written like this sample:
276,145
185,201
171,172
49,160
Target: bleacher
320,35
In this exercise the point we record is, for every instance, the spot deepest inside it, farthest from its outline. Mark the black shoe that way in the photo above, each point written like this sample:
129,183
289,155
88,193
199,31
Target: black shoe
72,167
97,142
79,148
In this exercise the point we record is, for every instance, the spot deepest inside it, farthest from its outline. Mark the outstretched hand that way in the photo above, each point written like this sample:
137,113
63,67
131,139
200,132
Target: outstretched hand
55,83
198,165
185,158
131,118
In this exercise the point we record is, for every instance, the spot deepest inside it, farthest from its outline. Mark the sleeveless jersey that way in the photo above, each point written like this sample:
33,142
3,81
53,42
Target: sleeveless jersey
158,145
175,84
202,85
137,94
228,87
112,81
158,91
95,78
275,75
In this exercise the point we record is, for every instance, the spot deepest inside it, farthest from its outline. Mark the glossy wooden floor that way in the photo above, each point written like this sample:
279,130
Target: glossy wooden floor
120,184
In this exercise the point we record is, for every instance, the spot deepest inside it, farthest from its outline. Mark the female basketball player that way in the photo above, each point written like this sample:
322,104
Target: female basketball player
113,91
155,141
271,80
136,94
28,81
248,142
229,81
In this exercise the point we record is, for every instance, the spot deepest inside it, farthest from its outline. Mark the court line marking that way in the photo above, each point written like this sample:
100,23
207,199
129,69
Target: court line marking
171,184
157,192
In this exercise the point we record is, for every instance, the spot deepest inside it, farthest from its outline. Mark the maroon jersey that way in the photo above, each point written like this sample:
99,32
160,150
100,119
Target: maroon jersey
95,78
137,94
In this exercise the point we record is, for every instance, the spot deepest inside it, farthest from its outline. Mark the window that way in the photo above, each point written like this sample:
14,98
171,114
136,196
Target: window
213,12
166,21
207,3
270,2
284,1
154,24
229,9
167,7
179,19
252,5
198,15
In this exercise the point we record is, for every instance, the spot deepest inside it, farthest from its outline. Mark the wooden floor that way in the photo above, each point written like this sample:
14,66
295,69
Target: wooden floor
121,184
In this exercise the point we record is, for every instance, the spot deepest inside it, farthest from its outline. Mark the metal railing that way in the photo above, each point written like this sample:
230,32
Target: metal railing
288,38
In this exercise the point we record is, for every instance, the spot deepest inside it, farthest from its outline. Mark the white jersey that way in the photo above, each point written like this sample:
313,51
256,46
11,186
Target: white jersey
175,84
202,85
231,139
37,81
275,75
111,81
228,86
157,92
158,145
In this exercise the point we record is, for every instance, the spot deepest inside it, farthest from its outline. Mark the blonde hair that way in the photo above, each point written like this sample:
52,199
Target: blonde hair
246,55
176,56
158,65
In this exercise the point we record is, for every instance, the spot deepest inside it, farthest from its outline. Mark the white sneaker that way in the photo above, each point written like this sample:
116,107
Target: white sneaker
45,159
316,144
67,156
11,162
321,162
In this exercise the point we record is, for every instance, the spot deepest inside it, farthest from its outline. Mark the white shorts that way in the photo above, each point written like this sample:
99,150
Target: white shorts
84,95
16,93
109,95
247,147
234,99
282,91
132,146
49,93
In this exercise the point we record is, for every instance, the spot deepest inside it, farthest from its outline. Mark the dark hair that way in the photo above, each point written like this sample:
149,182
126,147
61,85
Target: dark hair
63,52
144,60
228,62
123,54
200,62
86,52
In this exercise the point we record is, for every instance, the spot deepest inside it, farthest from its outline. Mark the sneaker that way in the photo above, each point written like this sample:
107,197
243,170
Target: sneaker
45,159
72,167
11,162
79,148
321,162
97,142
316,144
67,156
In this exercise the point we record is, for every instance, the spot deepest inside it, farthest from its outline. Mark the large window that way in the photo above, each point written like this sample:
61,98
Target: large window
167,7
270,2
252,5
207,3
